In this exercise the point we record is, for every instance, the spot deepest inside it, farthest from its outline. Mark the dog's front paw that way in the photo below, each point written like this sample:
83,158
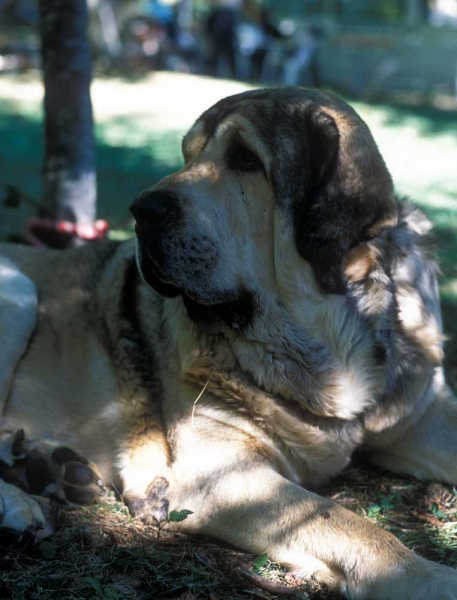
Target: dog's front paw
152,508
24,518
61,473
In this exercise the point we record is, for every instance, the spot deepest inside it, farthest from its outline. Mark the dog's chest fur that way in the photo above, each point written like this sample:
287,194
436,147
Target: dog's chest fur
212,377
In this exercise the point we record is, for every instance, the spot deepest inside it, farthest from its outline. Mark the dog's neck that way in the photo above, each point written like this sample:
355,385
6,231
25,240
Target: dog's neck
283,359
314,354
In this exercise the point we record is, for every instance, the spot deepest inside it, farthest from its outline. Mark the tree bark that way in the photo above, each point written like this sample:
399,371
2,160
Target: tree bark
69,179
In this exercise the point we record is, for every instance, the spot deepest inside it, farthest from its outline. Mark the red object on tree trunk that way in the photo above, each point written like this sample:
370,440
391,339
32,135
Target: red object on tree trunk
62,233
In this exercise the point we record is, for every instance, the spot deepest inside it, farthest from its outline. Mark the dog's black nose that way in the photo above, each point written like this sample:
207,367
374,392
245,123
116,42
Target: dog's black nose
156,208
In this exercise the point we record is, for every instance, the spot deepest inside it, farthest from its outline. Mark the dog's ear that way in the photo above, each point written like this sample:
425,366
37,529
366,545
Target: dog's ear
345,195
203,128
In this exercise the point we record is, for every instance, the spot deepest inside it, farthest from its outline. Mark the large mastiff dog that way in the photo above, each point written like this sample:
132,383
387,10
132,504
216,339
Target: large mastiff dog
279,312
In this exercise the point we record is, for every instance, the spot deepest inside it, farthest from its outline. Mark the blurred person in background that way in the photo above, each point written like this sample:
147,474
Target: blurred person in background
221,29
187,39
164,14
146,44
303,60
268,32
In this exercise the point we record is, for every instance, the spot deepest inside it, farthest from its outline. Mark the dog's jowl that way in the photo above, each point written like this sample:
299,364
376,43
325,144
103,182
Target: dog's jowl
277,279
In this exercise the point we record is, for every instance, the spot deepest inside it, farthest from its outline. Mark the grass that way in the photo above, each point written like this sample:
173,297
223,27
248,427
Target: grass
100,552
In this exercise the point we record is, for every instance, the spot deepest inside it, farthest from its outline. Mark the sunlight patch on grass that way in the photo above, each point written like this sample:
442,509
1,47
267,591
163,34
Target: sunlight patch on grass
450,287
422,159
24,95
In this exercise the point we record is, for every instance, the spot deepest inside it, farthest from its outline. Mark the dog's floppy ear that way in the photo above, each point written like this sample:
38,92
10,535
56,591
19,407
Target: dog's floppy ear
345,195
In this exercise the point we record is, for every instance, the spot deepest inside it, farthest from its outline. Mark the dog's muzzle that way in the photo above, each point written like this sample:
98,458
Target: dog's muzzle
156,210
177,255
154,213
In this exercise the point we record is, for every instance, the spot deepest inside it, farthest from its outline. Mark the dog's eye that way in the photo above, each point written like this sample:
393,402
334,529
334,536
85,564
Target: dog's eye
241,158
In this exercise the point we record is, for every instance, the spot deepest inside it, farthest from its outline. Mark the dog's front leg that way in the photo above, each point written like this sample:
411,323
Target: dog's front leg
236,495
144,473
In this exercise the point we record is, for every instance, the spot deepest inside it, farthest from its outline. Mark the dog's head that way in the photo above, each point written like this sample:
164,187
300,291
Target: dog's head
278,186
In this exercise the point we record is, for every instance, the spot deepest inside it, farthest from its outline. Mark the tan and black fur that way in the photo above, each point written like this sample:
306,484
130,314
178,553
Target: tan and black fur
279,312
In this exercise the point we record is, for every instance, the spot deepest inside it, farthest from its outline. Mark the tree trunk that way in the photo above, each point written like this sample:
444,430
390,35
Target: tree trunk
69,180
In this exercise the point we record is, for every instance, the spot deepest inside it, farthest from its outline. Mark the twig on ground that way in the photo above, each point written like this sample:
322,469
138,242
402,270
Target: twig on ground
255,594
429,518
206,564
